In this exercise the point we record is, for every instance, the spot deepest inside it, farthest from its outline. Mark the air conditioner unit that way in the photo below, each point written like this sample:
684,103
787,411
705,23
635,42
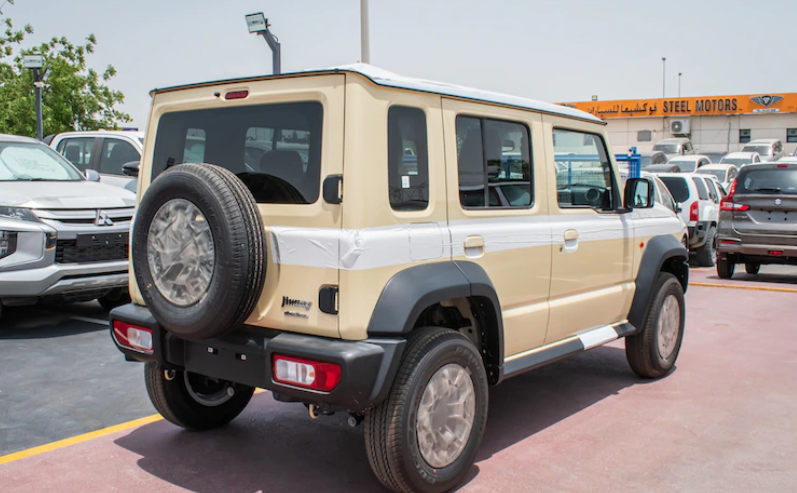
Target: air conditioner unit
679,127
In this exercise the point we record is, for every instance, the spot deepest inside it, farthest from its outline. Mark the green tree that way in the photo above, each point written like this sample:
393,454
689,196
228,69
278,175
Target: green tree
74,96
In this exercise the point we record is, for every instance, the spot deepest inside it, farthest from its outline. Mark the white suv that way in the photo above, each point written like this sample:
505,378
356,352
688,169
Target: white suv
699,199
105,151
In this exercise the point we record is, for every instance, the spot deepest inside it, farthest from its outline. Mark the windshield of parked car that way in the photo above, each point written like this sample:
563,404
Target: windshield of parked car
667,148
34,162
685,165
678,187
738,161
719,173
783,181
763,150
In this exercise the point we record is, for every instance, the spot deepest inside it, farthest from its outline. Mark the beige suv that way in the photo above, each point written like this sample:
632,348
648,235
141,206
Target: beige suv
389,248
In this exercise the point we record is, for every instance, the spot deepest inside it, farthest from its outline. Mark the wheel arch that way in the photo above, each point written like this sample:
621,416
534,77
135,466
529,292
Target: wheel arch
410,295
664,253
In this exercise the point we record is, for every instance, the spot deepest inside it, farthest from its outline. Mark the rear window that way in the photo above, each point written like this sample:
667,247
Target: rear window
275,149
678,187
783,181
702,193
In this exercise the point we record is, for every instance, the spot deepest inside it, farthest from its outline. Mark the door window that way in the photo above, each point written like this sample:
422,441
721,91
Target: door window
702,193
115,153
712,191
77,151
408,159
494,163
584,176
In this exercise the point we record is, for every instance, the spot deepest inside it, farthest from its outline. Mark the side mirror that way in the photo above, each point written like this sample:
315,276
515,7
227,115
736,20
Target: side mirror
638,193
92,175
131,168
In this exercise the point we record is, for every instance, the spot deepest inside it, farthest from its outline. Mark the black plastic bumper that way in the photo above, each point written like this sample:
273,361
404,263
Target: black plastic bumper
245,356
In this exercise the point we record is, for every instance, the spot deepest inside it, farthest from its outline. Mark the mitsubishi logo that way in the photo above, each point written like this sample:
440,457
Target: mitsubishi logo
102,219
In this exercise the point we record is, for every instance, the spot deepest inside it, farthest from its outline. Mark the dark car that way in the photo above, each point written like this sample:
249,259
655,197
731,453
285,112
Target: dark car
758,219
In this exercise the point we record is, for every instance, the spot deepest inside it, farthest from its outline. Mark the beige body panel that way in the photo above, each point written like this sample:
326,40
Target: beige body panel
519,271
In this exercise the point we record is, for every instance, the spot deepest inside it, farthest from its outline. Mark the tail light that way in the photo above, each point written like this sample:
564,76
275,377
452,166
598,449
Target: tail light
307,374
132,336
694,211
727,204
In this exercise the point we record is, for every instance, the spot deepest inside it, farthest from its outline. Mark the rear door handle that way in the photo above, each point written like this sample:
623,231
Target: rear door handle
571,235
571,241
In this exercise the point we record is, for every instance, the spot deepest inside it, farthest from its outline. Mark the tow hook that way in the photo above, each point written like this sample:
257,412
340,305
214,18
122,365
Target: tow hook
169,374
316,410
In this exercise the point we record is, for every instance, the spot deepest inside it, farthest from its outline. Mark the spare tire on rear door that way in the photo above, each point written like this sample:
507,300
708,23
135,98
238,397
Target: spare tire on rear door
199,251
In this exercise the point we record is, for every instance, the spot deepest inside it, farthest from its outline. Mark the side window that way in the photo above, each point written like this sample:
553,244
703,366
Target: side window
407,159
584,175
494,163
77,151
702,193
688,147
660,159
194,148
712,191
115,153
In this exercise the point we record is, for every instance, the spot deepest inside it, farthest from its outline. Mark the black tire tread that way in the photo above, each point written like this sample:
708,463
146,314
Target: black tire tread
752,268
725,268
384,446
177,406
638,347
704,252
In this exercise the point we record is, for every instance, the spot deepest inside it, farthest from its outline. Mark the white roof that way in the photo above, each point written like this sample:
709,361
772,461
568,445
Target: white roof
721,166
389,79
739,154
689,158
100,133
762,141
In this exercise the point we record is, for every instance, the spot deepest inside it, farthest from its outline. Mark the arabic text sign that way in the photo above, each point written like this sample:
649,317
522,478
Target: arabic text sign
700,106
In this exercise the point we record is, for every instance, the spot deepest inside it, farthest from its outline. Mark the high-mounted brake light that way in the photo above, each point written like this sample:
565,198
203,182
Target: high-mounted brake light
783,166
132,336
236,95
304,373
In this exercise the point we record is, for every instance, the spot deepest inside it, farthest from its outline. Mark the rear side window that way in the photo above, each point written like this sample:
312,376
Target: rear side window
702,193
678,187
712,191
114,154
494,163
775,181
408,159
77,151
275,149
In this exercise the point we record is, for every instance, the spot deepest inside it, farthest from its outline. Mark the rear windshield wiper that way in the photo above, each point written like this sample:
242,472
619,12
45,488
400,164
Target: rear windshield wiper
765,189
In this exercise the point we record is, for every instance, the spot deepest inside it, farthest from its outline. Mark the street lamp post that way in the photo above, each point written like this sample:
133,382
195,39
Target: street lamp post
36,64
258,24
365,46
679,83
663,76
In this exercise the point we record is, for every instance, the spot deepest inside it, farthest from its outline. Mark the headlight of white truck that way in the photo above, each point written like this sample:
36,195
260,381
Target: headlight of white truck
20,213
8,243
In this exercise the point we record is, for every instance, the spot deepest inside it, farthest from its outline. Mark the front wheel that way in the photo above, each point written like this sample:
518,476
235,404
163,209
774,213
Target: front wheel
652,352
425,435
193,401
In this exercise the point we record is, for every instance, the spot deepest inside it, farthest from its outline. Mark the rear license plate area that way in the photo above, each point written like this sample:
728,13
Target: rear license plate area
212,358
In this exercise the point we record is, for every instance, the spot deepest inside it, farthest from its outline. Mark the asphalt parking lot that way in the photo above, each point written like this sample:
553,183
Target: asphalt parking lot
723,421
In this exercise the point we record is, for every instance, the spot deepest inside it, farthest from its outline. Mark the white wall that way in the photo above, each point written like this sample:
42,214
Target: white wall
709,133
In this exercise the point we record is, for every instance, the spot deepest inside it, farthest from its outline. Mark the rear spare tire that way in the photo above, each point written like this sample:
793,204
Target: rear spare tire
199,251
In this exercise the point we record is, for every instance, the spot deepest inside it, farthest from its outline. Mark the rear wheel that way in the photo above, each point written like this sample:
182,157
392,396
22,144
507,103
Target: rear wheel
425,435
752,268
653,351
725,267
707,254
193,401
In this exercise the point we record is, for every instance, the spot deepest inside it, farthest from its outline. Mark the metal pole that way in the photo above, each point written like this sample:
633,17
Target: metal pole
365,49
38,85
679,84
276,51
663,76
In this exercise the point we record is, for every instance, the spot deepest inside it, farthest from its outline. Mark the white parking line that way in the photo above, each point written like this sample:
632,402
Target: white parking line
97,321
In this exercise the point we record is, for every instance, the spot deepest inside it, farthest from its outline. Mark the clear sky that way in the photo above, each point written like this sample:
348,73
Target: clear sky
562,50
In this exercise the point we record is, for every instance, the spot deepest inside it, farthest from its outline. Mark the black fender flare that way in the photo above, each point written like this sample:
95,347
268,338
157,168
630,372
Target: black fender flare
663,253
412,290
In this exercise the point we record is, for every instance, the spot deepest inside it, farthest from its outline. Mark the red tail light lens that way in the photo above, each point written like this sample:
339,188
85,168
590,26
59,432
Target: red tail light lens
727,203
133,337
236,95
307,374
694,211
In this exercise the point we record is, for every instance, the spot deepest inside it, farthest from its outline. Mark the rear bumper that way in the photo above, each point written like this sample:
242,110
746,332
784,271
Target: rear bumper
245,356
759,253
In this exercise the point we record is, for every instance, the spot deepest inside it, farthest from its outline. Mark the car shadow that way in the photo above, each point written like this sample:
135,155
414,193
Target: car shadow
47,320
276,447
762,278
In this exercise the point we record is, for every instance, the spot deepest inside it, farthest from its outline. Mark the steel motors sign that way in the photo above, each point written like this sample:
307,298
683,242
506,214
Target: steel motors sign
699,106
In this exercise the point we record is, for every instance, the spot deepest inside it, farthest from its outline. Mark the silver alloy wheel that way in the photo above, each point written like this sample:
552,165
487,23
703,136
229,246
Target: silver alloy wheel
180,252
206,392
445,415
669,326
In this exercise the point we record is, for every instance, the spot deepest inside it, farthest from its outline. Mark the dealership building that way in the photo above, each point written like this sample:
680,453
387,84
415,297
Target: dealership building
712,123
